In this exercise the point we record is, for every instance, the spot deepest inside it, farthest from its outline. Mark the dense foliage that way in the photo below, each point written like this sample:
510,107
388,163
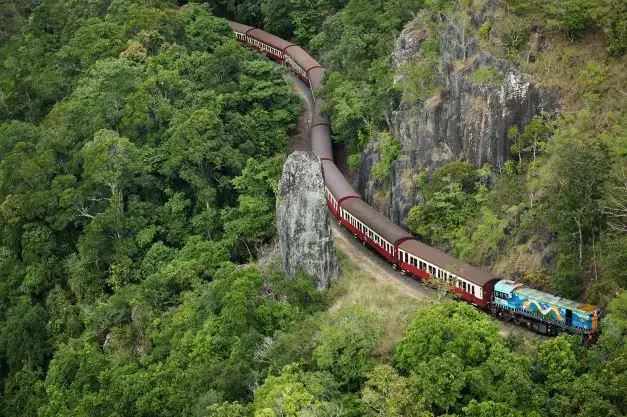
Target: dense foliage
554,215
452,361
139,151
140,148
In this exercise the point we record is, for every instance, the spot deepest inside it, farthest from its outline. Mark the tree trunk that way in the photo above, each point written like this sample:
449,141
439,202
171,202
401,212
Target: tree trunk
594,261
533,198
580,241
519,154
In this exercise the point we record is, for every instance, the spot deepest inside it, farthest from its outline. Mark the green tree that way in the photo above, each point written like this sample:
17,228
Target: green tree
488,234
490,409
390,150
252,222
558,364
346,345
292,393
569,16
453,328
227,410
438,383
578,170
307,18
23,392
608,13
277,17
110,161
386,393
23,336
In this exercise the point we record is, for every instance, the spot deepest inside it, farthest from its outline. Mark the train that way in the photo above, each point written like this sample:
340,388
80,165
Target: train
506,299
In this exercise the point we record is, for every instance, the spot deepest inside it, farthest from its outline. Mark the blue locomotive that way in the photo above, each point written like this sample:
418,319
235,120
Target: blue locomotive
543,312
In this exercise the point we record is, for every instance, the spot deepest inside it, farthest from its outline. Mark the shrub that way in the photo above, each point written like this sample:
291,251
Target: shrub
390,150
354,161
484,30
570,16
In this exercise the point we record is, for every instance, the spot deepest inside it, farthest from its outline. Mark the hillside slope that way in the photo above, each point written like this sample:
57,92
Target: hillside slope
493,129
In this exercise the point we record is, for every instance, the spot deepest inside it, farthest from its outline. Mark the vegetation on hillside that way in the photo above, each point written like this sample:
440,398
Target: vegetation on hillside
140,149
552,216
139,152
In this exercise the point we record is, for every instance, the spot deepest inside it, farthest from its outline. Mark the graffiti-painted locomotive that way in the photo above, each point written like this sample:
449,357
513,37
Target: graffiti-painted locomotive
543,312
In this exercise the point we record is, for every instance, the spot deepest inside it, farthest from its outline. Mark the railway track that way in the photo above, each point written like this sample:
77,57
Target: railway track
502,297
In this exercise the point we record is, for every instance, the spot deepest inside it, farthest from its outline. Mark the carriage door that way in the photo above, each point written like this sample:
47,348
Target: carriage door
569,317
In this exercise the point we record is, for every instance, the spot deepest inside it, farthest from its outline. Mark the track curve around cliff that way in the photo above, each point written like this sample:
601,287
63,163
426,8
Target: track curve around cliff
392,242
397,246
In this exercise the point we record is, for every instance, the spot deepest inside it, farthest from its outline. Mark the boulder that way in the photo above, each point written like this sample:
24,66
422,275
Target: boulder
304,222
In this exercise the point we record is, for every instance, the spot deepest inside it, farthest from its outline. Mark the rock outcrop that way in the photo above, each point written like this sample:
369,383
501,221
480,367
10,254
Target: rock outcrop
304,223
482,97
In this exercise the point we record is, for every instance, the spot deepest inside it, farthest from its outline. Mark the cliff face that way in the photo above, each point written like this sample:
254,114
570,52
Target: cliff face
481,98
304,225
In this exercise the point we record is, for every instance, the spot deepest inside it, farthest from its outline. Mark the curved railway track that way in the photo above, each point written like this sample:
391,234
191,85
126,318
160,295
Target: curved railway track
393,243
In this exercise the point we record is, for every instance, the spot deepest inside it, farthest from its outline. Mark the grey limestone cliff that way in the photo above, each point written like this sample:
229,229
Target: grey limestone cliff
304,225
468,119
